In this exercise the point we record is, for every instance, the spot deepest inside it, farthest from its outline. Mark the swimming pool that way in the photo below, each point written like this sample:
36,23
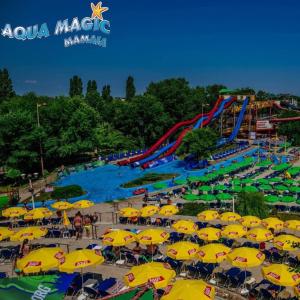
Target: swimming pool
103,183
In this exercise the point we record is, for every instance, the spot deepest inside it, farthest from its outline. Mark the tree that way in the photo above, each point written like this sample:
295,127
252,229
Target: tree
75,86
290,129
199,142
91,87
6,87
106,93
130,88
252,204
212,92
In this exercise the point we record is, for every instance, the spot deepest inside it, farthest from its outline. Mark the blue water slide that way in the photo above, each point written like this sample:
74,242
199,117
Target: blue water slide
237,126
166,148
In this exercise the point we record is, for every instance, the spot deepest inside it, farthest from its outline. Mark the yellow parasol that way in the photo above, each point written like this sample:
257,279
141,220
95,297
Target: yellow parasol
169,210
250,221
234,231
66,221
182,250
213,253
292,224
83,204
245,257
208,215
38,213
14,212
129,212
117,238
152,236
62,205
273,223
286,242
185,226
229,216
259,235
148,211
209,234
5,233
29,233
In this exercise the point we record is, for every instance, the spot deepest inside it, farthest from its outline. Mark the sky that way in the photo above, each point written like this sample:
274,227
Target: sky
238,43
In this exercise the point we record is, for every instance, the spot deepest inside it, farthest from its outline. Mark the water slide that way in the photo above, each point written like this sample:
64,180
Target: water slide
237,126
172,147
155,146
281,120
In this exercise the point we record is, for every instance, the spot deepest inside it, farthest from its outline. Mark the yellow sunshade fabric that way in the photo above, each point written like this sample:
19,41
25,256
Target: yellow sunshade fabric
80,259
159,274
209,234
213,253
189,289
29,233
292,224
42,259
62,205
229,217
208,215
274,223
83,204
5,233
182,250
168,210
117,238
152,236
38,213
148,211
185,226
258,234
286,242
250,221
245,257
234,231
280,274
129,212
14,212
66,221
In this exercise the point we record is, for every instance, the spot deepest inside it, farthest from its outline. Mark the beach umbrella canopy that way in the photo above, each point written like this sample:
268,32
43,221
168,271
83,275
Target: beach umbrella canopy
236,181
294,189
234,231
213,253
286,242
66,221
191,197
272,199
14,212
250,221
38,213
83,204
62,205
292,224
205,188
189,289
264,163
290,182
275,179
5,233
224,196
287,199
148,211
220,187
236,189
207,197
281,188
274,223
129,212
281,274
159,274
281,167
80,259
169,210
262,181
259,234
117,238
152,236
245,257
265,187
247,181
208,215
185,226
209,234
250,189
180,181
29,233
182,250
229,216
160,185
40,260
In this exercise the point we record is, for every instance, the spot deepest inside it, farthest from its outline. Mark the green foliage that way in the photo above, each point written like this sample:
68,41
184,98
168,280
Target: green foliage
12,173
252,204
75,86
6,87
130,88
199,142
290,129
192,209
106,93
65,192
148,178
91,87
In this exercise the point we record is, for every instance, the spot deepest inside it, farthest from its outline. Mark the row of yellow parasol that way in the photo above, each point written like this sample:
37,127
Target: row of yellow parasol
148,211
42,212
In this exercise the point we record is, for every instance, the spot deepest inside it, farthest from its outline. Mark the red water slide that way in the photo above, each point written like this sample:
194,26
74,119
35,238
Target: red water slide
281,120
155,146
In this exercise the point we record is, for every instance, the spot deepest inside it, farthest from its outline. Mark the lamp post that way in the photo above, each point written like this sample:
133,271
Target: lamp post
40,142
31,188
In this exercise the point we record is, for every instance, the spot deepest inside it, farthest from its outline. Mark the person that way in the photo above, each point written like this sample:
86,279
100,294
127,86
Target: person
95,218
137,250
262,246
133,220
78,223
158,221
24,249
152,250
87,222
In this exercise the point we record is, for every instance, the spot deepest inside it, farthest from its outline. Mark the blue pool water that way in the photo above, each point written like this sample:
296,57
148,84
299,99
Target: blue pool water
103,183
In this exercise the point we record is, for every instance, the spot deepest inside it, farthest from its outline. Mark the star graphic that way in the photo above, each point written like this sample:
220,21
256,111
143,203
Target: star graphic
98,10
